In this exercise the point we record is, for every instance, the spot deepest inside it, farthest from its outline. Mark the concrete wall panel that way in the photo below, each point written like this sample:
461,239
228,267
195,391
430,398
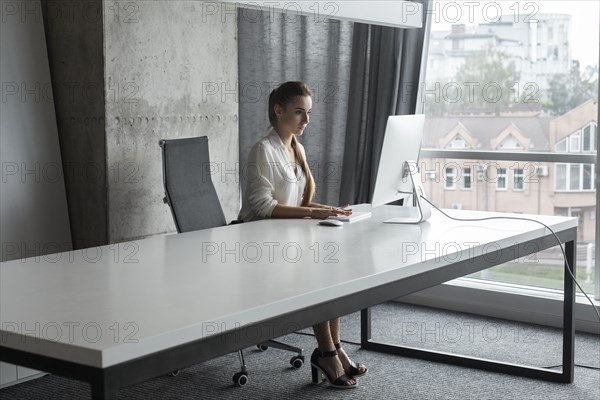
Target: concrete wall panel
160,58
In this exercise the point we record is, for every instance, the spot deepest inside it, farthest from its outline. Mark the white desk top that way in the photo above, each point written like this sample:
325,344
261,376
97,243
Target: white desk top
110,304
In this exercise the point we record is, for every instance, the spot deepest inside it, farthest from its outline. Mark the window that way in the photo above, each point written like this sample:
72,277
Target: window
574,143
450,181
588,177
466,178
501,179
587,138
574,177
458,44
510,143
590,138
561,177
571,126
561,146
518,179
457,143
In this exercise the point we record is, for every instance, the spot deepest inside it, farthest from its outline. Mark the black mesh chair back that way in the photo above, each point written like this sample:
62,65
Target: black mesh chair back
189,188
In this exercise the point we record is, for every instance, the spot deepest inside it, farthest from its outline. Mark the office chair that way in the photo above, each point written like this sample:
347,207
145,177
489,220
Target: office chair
194,204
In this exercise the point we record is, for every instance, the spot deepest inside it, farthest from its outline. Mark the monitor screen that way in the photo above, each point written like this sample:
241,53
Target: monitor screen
401,143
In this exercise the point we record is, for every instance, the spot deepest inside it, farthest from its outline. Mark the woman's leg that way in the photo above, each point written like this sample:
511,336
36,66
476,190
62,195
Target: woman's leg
325,342
334,328
323,334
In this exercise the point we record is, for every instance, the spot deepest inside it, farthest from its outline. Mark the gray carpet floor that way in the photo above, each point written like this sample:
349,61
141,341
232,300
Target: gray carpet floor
389,377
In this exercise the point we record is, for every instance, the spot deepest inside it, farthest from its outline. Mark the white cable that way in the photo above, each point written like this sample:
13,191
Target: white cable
526,219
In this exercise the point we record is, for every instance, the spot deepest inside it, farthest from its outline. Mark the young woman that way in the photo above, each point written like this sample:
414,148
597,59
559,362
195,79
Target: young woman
280,185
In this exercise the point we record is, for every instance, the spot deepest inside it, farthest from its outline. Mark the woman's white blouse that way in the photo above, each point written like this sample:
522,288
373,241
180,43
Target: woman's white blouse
270,179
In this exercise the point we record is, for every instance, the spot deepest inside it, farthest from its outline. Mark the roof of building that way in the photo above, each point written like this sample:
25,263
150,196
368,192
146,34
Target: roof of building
485,128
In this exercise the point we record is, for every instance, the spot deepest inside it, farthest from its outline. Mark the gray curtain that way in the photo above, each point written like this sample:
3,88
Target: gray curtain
276,48
386,71
359,74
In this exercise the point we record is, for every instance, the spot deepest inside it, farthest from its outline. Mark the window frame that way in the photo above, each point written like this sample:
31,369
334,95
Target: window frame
581,177
566,142
575,136
504,176
453,181
464,177
463,296
514,180
540,157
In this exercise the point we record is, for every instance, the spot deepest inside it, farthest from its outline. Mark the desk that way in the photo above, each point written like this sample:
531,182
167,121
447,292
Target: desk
118,315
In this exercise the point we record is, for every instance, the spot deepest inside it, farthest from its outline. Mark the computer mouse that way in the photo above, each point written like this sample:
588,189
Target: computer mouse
331,222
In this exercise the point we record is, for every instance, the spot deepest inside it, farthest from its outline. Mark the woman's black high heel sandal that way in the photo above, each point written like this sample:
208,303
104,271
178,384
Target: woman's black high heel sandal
354,369
319,374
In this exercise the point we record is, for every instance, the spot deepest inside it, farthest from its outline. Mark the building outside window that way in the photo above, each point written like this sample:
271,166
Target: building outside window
551,107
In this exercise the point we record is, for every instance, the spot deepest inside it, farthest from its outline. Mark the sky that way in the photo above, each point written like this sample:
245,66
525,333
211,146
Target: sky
584,19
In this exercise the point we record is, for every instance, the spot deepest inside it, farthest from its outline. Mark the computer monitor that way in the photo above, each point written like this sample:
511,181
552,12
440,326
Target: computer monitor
398,176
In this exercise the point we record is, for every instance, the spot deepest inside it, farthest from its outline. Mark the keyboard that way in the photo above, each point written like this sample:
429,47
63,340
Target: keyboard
355,216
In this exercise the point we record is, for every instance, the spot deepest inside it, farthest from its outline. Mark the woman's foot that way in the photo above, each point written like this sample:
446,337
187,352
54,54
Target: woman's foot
350,367
328,366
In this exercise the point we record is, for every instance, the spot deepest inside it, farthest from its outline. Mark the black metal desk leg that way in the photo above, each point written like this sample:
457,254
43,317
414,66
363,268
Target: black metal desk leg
568,369
565,375
104,388
365,327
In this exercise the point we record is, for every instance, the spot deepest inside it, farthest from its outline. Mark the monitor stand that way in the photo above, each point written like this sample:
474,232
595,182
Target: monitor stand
420,210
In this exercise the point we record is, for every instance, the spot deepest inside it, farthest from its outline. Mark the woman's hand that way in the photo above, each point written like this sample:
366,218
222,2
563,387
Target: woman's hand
324,212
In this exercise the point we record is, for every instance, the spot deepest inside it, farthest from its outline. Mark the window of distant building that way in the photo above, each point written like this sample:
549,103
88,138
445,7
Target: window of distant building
577,177
458,44
574,177
457,143
501,179
590,138
510,143
450,178
588,177
561,146
585,140
518,182
466,178
574,143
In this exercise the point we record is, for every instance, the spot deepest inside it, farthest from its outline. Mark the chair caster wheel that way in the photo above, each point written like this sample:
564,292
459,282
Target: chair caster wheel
262,347
174,373
240,379
297,361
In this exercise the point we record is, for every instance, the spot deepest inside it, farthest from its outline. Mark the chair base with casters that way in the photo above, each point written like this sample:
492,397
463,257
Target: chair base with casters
296,361
194,204
239,378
